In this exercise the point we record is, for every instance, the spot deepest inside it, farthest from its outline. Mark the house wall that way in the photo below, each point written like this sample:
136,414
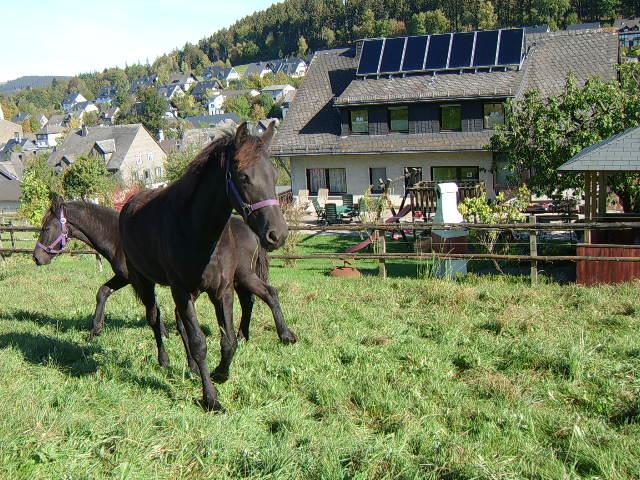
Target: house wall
9,206
143,144
357,168
8,130
423,117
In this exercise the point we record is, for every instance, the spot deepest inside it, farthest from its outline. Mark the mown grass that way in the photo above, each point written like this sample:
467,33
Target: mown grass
403,378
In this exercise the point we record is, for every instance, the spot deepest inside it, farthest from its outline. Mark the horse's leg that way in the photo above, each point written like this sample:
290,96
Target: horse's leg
246,303
223,303
197,345
193,366
269,295
115,283
146,291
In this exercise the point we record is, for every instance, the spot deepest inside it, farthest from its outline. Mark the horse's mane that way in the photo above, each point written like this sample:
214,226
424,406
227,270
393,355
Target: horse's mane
219,148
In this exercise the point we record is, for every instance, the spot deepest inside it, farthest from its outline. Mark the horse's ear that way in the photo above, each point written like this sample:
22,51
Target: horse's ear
242,134
267,136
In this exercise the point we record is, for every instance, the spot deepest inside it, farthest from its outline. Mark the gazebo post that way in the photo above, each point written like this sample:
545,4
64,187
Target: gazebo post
602,195
587,204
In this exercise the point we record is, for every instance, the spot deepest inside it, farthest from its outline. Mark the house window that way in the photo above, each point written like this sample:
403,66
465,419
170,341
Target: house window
377,177
158,172
150,157
335,179
493,115
399,119
451,118
412,175
455,174
147,175
360,121
138,159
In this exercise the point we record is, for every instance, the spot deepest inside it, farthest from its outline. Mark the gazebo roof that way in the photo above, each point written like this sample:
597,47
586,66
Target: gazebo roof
620,153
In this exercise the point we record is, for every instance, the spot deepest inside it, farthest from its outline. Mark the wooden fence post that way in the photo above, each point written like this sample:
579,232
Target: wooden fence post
382,243
533,250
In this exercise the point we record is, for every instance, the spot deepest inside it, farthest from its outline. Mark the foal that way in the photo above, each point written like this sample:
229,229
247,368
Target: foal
97,227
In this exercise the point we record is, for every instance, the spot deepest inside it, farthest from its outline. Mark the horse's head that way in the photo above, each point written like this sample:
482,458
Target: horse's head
53,234
251,182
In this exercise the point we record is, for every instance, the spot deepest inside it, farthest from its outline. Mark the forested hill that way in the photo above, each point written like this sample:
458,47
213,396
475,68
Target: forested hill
293,26
29,82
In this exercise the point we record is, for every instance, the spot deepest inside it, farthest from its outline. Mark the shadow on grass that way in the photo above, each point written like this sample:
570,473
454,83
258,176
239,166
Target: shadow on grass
69,323
67,356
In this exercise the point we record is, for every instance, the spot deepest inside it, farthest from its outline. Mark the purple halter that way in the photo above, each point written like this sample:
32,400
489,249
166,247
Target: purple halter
62,239
246,208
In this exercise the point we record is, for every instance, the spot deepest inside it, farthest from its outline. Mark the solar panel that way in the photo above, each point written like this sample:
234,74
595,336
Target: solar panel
461,50
414,53
486,46
370,58
392,55
511,42
450,51
438,52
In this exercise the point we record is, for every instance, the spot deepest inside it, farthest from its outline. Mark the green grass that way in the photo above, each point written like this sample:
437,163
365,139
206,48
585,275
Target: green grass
404,378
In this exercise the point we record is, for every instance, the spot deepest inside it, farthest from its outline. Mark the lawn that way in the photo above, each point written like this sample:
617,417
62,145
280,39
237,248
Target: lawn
485,377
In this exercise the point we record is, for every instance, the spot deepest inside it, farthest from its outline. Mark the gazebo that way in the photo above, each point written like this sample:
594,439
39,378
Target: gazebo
618,154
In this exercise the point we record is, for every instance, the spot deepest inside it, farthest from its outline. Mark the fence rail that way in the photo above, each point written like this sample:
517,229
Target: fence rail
382,256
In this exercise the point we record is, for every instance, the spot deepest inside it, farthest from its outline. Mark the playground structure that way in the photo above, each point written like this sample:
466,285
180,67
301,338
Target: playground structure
422,204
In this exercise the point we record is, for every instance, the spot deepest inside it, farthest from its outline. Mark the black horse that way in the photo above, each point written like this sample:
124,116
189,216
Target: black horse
97,226
169,235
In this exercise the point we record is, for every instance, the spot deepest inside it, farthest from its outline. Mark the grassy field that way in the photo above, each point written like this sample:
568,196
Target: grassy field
403,378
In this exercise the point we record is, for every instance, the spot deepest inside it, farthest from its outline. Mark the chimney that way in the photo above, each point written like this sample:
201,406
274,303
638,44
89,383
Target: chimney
160,135
85,131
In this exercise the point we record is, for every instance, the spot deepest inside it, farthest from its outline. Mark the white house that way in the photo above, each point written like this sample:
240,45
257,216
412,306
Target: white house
48,136
215,104
186,81
257,69
224,74
277,92
72,100
171,91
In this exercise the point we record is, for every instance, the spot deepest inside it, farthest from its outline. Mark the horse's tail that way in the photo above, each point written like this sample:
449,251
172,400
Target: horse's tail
262,265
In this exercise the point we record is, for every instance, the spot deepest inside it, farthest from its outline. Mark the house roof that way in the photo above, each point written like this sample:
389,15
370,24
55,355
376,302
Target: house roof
544,28
219,72
200,90
237,93
620,153
76,145
9,186
275,88
50,128
583,26
313,126
74,97
208,120
21,117
56,120
256,68
181,77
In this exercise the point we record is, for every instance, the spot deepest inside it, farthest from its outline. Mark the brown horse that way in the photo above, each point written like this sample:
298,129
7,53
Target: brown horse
245,260
169,235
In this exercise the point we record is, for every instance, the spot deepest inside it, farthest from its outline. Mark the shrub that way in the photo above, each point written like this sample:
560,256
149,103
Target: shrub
39,182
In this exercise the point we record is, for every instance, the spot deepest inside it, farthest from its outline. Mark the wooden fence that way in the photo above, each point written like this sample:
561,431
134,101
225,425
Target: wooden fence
382,256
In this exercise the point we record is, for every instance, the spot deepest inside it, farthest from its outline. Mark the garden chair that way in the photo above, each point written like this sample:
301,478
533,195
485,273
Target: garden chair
323,196
320,211
349,208
303,198
332,215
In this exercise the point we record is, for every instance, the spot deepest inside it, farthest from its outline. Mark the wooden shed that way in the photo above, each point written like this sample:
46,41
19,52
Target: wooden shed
618,154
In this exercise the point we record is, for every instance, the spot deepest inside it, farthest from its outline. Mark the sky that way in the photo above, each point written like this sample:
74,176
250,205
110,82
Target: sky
67,37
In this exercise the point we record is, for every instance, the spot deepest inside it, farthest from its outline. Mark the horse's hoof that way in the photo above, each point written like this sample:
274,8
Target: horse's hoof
219,376
241,336
288,338
94,334
163,359
211,406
